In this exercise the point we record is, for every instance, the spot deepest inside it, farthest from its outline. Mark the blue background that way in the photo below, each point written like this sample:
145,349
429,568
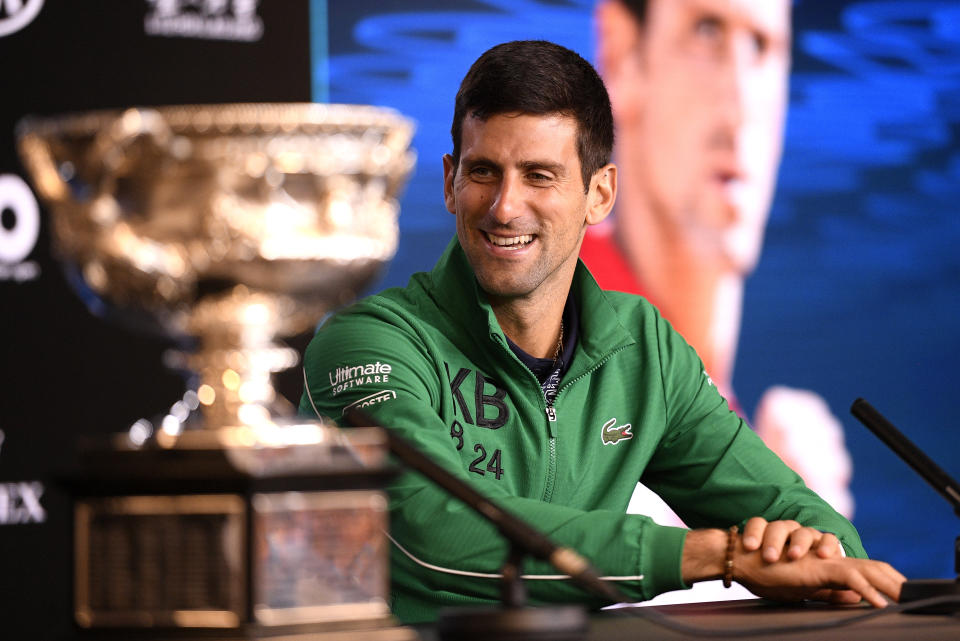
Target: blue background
858,289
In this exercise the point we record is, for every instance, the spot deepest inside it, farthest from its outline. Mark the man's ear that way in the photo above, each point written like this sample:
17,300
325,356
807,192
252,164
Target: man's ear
449,174
619,40
602,194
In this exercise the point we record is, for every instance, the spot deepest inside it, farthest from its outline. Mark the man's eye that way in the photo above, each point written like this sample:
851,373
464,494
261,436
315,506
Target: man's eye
480,172
538,177
708,27
760,43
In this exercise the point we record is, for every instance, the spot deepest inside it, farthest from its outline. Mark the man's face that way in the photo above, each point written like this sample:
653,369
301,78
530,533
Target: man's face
519,200
705,123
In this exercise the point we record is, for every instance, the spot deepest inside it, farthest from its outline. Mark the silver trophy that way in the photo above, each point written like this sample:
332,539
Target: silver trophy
227,226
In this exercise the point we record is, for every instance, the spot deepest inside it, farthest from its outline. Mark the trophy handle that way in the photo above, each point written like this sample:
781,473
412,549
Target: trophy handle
111,148
111,151
115,151
38,159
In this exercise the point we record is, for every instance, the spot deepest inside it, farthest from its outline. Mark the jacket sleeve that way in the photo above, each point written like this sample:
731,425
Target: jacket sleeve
710,465
444,553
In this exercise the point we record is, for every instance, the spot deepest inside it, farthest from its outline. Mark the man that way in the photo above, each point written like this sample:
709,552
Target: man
699,93
511,368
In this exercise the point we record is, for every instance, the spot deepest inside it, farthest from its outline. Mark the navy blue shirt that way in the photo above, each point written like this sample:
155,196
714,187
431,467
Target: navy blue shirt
546,370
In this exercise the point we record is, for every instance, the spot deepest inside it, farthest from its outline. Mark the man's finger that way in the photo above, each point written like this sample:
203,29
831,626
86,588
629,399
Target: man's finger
753,533
887,579
775,537
828,546
801,541
872,580
859,584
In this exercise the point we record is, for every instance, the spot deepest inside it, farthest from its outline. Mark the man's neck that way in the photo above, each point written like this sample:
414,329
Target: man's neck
702,297
533,325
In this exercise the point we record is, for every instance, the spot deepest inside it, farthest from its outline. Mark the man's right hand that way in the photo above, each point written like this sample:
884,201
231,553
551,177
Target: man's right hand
787,538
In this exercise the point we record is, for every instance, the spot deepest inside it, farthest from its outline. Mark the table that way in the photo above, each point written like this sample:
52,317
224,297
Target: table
617,625
614,626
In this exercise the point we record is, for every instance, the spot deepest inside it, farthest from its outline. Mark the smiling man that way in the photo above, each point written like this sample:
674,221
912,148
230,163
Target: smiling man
510,367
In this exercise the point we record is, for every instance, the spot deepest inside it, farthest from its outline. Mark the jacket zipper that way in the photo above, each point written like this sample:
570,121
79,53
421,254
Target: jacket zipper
551,471
596,366
551,414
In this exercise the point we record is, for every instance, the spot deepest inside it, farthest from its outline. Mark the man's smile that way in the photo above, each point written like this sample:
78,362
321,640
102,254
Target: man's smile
510,243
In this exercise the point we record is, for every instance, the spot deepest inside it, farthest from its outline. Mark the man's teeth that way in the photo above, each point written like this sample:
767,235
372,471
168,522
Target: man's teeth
513,241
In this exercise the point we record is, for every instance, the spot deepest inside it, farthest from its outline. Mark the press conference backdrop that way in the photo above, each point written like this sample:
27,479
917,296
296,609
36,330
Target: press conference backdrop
857,292
858,289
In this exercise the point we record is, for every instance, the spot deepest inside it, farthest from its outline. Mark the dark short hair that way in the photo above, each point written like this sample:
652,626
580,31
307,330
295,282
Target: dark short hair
539,77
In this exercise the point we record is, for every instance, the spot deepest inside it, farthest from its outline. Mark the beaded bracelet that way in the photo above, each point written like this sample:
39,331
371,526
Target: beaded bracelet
728,560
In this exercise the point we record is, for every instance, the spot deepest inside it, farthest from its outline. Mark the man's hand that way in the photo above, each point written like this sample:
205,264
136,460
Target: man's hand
772,538
823,575
835,579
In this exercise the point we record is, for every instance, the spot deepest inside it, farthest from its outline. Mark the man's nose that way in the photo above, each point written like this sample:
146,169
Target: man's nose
509,199
740,81
732,80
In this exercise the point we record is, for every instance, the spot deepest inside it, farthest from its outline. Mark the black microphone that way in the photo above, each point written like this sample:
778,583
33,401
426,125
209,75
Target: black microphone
942,482
520,535
905,449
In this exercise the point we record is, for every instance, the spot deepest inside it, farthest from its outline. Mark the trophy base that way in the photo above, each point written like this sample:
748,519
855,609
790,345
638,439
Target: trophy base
385,630
256,541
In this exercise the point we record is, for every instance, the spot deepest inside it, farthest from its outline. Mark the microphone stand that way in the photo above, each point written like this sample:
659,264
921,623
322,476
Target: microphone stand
514,621
942,482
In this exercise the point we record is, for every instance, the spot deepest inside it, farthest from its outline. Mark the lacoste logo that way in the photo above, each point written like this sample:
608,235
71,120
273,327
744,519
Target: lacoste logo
612,435
373,399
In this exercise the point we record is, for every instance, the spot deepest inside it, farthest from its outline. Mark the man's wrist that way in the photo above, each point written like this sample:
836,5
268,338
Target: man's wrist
704,552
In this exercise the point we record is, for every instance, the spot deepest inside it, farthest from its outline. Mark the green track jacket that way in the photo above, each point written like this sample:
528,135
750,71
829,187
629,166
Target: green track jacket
431,361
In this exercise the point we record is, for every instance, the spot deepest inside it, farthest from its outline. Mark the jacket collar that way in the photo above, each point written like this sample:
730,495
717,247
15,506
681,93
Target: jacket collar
456,292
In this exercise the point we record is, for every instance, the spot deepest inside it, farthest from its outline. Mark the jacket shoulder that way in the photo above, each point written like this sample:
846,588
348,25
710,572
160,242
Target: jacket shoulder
401,299
635,313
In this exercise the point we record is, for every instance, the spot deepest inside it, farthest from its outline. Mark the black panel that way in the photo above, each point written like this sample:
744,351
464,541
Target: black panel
63,371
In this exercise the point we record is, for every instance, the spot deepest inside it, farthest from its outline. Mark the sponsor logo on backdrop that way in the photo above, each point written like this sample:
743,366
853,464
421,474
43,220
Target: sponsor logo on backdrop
17,14
355,375
204,19
20,502
19,229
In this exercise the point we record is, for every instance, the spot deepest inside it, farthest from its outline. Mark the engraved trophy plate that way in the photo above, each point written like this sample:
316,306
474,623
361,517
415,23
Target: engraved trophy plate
319,555
160,560
227,227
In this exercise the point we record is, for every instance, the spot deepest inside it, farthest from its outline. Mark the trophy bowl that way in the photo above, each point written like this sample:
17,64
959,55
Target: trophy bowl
227,227
233,224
